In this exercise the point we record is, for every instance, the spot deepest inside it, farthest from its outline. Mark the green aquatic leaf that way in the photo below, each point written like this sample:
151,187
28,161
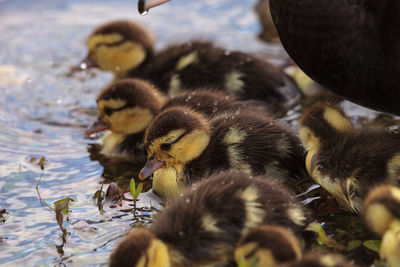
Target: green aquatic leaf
138,190
132,186
62,205
373,245
353,245
323,238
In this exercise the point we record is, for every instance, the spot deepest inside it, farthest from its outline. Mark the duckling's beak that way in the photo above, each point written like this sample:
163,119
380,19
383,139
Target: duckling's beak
98,126
145,5
151,166
87,63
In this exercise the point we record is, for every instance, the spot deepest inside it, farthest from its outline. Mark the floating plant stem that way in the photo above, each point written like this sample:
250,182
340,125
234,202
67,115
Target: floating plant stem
135,192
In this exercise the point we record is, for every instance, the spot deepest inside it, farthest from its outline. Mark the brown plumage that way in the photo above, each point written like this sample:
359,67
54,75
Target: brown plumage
351,47
127,107
267,246
347,162
183,143
202,227
117,47
382,215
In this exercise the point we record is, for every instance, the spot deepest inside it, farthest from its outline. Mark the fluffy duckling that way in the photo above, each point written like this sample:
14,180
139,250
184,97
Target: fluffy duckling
382,215
267,246
345,161
127,107
126,48
202,227
183,146
320,259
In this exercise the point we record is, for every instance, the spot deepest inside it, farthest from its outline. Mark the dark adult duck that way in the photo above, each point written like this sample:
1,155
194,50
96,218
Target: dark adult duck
351,47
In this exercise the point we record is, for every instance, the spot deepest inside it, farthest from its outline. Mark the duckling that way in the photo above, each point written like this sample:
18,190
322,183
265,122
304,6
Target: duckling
346,161
202,227
127,107
320,259
269,32
126,48
267,245
183,146
382,215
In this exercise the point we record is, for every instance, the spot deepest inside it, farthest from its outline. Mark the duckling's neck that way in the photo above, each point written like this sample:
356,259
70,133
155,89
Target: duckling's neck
123,145
166,183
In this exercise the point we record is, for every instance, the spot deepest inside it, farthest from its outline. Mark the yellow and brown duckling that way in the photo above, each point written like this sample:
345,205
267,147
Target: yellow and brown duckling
183,146
267,246
126,108
126,48
345,161
202,227
382,215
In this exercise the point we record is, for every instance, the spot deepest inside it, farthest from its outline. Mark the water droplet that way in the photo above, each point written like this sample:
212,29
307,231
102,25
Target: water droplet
83,66
227,53
144,13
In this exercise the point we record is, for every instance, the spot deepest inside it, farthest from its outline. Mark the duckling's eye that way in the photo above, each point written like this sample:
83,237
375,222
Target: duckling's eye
165,146
108,111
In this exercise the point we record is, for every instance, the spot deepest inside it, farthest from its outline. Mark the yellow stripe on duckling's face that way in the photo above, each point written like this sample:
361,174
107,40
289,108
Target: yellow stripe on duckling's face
128,120
309,139
118,58
188,147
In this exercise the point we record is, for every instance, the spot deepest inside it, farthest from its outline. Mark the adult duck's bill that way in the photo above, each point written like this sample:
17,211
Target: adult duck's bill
87,63
151,166
145,5
97,126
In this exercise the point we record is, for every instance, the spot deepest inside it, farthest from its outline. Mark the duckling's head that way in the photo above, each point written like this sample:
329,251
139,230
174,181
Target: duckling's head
267,245
319,122
140,248
118,46
320,127
175,137
382,215
126,107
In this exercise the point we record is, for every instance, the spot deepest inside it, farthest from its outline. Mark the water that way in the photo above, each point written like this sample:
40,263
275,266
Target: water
44,110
